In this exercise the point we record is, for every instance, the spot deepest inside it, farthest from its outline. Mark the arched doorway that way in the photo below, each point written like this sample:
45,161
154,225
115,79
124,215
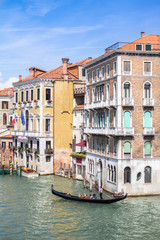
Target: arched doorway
100,173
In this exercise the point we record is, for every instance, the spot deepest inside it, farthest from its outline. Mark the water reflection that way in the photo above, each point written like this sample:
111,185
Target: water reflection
28,210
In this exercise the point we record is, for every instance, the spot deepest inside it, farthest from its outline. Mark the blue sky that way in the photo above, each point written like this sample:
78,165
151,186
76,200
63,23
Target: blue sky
40,32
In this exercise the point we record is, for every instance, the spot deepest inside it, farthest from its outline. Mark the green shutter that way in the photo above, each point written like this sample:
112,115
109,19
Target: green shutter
147,148
147,119
127,119
127,147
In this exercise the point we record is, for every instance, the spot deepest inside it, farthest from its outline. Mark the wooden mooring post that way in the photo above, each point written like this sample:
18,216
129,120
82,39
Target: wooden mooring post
3,168
20,170
69,171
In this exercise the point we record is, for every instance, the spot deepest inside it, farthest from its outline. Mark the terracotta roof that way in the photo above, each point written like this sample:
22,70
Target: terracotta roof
79,106
57,74
82,62
5,92
6,136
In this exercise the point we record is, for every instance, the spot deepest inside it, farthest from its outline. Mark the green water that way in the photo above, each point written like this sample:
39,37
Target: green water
28,210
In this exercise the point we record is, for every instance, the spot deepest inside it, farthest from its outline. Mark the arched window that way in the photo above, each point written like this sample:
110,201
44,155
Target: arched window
108,92
147,119
109,173
114,174
127,119
127,175
147,149
88,98
4,119
115,90
126,90
127,149
147,174
93,95
147,90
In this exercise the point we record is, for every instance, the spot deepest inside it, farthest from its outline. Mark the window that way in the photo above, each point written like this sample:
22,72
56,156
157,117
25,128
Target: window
48,144
4,105
93,76
27,96
102,72
38,94
127,119
103,146
147,90
31,124
48,158
88,77
79,169
93,145
48,94
31,144
109,172
93,95
97,74
127,67
115,147
27,120
108,92
38,125
147,69
16,97
15,142
147,174
127,150
114,174
127,175
148,47
114,68
37,145
139,47
115,90
83,72
3,145
147,149
4,119
108,146
47,125
22,96
127,88
10,145
107,70
147,119
31,94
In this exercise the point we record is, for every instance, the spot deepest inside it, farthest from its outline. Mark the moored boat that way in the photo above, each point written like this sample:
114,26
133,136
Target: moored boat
28,172
85,198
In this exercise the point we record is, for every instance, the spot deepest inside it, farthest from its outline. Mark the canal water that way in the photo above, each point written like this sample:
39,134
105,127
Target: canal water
28,210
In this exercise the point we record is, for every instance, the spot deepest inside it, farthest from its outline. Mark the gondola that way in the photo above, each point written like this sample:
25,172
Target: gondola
86,199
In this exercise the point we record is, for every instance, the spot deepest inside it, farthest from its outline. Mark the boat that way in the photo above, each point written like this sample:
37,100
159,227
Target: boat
85,198
28,172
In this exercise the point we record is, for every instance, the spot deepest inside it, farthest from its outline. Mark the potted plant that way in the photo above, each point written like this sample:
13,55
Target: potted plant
14,104
49,101
29,102
19,102
35,100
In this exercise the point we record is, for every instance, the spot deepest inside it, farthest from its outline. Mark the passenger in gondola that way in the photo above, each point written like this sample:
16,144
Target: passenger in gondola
91,196
94,196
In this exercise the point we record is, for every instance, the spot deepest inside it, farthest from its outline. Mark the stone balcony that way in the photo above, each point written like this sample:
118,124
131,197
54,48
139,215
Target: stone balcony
148,131
128,102
148,102
122,131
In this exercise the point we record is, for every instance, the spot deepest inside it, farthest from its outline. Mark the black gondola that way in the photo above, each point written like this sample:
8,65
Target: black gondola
86,199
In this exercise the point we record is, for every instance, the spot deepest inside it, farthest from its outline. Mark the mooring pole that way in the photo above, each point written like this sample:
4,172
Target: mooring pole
69,174
3,168
20,170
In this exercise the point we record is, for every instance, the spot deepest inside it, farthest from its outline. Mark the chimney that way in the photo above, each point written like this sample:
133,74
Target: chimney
32,71
65,64
142,34
20,78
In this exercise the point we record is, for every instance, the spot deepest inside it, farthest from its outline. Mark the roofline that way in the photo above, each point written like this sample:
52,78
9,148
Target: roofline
119,52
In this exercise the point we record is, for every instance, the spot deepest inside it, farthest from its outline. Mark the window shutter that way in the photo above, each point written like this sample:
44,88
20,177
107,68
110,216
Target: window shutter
147,148
127,147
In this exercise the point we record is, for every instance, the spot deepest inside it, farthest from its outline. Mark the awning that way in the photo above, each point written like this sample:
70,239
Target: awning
99,85
81,144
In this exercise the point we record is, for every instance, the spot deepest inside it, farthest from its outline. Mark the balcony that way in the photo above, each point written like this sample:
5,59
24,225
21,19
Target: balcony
113,102
122,131
148,102
25,133
128,102
49,151
48,103
127,156
96,130
148,131
100,104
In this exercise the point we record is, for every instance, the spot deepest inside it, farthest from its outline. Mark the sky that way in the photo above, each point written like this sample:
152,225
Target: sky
40,33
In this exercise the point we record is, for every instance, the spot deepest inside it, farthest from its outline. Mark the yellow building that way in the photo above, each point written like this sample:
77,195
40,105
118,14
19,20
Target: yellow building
46,101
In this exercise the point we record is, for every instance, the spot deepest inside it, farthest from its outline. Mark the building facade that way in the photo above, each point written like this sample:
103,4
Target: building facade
122,117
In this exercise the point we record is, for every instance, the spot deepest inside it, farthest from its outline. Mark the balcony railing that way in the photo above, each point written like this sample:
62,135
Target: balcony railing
127,155
49,151
122,131
128,101
113,102
148,131
148,102
96,130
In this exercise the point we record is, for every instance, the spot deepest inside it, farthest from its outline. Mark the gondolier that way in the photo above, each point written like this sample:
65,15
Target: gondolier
101,192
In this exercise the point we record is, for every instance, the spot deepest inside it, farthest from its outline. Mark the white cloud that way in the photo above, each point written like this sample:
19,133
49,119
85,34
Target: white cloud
8,83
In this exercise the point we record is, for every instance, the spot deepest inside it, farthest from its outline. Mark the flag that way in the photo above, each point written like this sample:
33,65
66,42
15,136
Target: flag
22,118
13,118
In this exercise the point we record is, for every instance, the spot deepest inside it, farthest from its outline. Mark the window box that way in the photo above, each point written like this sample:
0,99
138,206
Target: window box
49,101
49,151
35,101
19,103
78,155
24,102
29,150
29,102
14,104
20,150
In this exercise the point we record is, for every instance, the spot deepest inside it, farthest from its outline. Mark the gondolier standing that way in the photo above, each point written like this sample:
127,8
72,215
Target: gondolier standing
100,192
